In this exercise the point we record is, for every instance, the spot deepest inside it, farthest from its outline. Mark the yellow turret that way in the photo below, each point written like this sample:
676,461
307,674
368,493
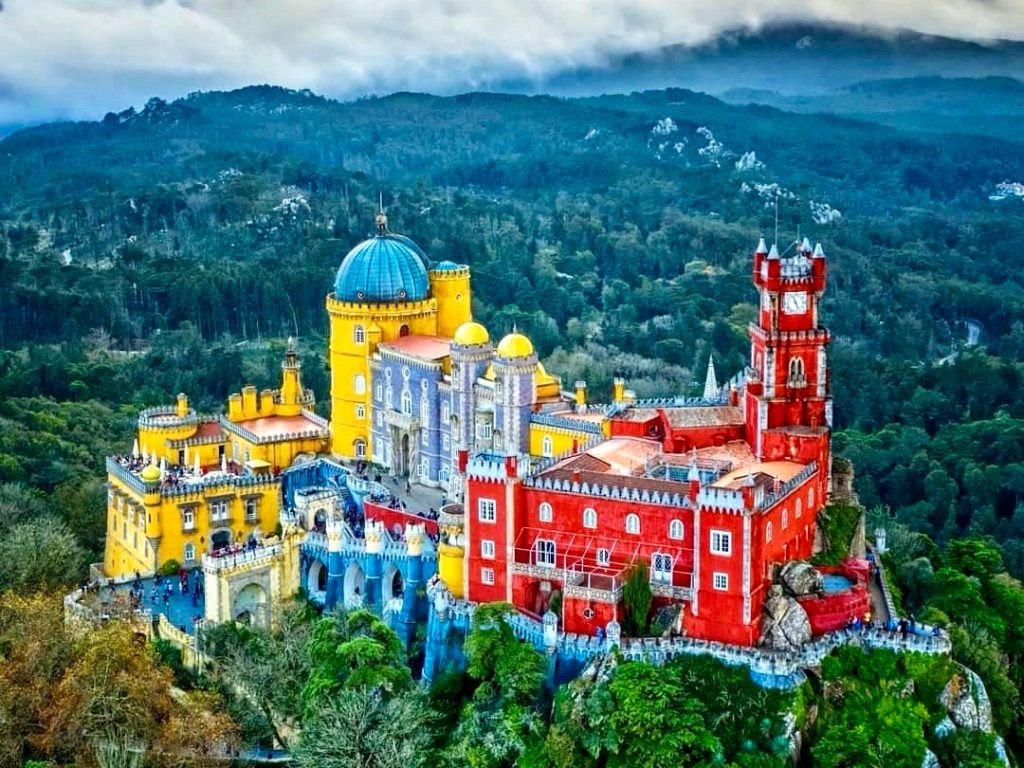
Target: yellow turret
182,407
449,285
291,384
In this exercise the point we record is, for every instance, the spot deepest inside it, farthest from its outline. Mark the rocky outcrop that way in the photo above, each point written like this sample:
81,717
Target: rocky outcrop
966,702
785,626
666,620
799,578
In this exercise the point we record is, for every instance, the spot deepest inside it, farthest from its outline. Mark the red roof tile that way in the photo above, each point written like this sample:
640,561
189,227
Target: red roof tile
423,347
278,426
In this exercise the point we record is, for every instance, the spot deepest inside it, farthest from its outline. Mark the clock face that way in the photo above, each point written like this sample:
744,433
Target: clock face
794,303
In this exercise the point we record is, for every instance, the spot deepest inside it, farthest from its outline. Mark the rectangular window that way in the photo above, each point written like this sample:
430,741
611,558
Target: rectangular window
446,442
720,581
378,392
219,511
251,510
604,556
487,549
424,438
545,550
721,543
487,576
483,430
188,519
487,510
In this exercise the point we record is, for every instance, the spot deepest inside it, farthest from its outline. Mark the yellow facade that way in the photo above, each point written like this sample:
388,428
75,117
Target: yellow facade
546,440
450,288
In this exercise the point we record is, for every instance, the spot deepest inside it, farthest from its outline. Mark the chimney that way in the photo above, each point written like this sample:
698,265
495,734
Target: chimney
511,464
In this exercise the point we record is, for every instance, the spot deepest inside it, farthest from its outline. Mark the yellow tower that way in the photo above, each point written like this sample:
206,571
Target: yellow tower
381,293
449,284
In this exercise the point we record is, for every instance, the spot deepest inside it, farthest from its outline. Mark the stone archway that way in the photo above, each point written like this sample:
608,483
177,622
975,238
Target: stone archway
220,539
354,586
316,581
250,606
392,584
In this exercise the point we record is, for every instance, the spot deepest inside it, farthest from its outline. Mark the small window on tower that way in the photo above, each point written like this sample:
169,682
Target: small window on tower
360,334
589,518
633,524
548,448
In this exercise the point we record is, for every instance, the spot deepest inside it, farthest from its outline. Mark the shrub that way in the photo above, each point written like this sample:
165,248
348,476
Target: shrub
169,568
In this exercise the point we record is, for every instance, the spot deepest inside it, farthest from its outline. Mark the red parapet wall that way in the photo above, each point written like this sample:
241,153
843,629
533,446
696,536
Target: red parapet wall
391,517
833,610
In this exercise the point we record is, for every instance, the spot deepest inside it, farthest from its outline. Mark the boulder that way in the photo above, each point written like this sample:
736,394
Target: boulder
966,702
666,620
800,578
785,626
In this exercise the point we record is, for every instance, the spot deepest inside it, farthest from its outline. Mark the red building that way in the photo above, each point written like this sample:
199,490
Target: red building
709,496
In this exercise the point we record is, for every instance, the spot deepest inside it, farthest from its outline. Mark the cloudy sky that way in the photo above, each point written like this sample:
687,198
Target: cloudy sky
82,58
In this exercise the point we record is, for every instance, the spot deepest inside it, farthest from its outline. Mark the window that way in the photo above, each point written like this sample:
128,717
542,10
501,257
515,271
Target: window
544,512
359,384
545,551
661,568
589,518
424,410
796,368
444,476
406,402
251,510
486,575
424,467
799,508
219,511
190,552
810,498
675,529
604,556
359,334
548,448
389,397
632,523
424,438
721,543
380,418
379,392
720,581
124,530
767,532
483,430
360,411
487,549
446,412
785,519
360,449
486,510
446,442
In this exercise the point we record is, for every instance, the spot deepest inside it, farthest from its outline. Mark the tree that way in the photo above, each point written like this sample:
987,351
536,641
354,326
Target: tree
23,568
637,596
360,728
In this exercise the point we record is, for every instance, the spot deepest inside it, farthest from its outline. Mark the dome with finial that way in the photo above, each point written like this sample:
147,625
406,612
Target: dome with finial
515,345
471,335
384,268
150,473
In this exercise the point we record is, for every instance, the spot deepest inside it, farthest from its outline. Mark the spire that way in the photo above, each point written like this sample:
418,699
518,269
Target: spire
382,218
805,246
819,252
761,247
774,252
710,382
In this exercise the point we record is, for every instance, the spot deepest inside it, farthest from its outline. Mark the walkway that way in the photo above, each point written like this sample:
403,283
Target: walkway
179,608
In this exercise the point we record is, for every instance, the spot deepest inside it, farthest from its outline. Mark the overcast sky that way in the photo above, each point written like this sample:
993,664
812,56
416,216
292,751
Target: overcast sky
82,58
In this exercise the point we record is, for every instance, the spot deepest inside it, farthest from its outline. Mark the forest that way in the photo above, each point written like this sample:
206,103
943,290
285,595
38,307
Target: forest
174,248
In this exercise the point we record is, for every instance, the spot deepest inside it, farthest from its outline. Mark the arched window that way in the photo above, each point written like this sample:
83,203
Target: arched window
190,552
425,411
675,529
604,556
360,449
785,519
545,552
360,334
544,512
632,523
810,498
359,384
796,367
403,331
767,532
446,412
548,448
589,518
407,402
388,397
799,508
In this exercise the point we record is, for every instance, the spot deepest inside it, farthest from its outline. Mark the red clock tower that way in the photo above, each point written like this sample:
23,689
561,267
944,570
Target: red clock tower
788,403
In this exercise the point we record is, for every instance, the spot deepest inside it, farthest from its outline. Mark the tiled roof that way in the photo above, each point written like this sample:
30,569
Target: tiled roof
278,426
706,416
423,347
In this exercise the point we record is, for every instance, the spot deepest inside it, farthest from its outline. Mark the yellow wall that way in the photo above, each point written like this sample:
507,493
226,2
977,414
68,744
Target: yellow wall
278,454
163,523
561,439
450,562
348,358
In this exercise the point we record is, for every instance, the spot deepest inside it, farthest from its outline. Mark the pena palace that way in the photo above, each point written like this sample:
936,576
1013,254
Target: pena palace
451,459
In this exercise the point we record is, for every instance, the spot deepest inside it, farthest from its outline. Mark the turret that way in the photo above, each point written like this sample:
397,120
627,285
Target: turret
618,390
182,405
710,381
291,383
693,481
581,396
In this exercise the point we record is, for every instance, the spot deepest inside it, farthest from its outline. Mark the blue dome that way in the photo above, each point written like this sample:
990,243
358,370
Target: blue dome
384,268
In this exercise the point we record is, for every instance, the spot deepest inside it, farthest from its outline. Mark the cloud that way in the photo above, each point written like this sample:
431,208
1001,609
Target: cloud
81,58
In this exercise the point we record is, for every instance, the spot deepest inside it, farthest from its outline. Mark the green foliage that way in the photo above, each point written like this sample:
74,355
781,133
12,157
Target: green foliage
169,567
968,749
637,598
838,524
40,554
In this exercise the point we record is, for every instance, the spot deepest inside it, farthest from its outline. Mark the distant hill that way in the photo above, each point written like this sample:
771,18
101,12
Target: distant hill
789,59
992,106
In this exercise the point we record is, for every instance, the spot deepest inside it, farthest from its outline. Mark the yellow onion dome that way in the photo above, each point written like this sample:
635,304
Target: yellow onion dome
150,474
515,345
471,335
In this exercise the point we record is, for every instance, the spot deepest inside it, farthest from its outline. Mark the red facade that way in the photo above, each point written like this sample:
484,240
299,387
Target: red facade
709,498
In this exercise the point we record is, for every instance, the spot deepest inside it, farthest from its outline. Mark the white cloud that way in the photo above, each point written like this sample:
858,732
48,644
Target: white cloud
84,57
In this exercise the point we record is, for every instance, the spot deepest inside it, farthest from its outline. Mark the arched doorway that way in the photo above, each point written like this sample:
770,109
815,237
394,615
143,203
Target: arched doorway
391,584
251,606
354,587
220,539
404,469
316,581
320,520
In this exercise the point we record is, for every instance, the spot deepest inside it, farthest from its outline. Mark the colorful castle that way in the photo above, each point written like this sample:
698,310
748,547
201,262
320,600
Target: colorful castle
549,503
